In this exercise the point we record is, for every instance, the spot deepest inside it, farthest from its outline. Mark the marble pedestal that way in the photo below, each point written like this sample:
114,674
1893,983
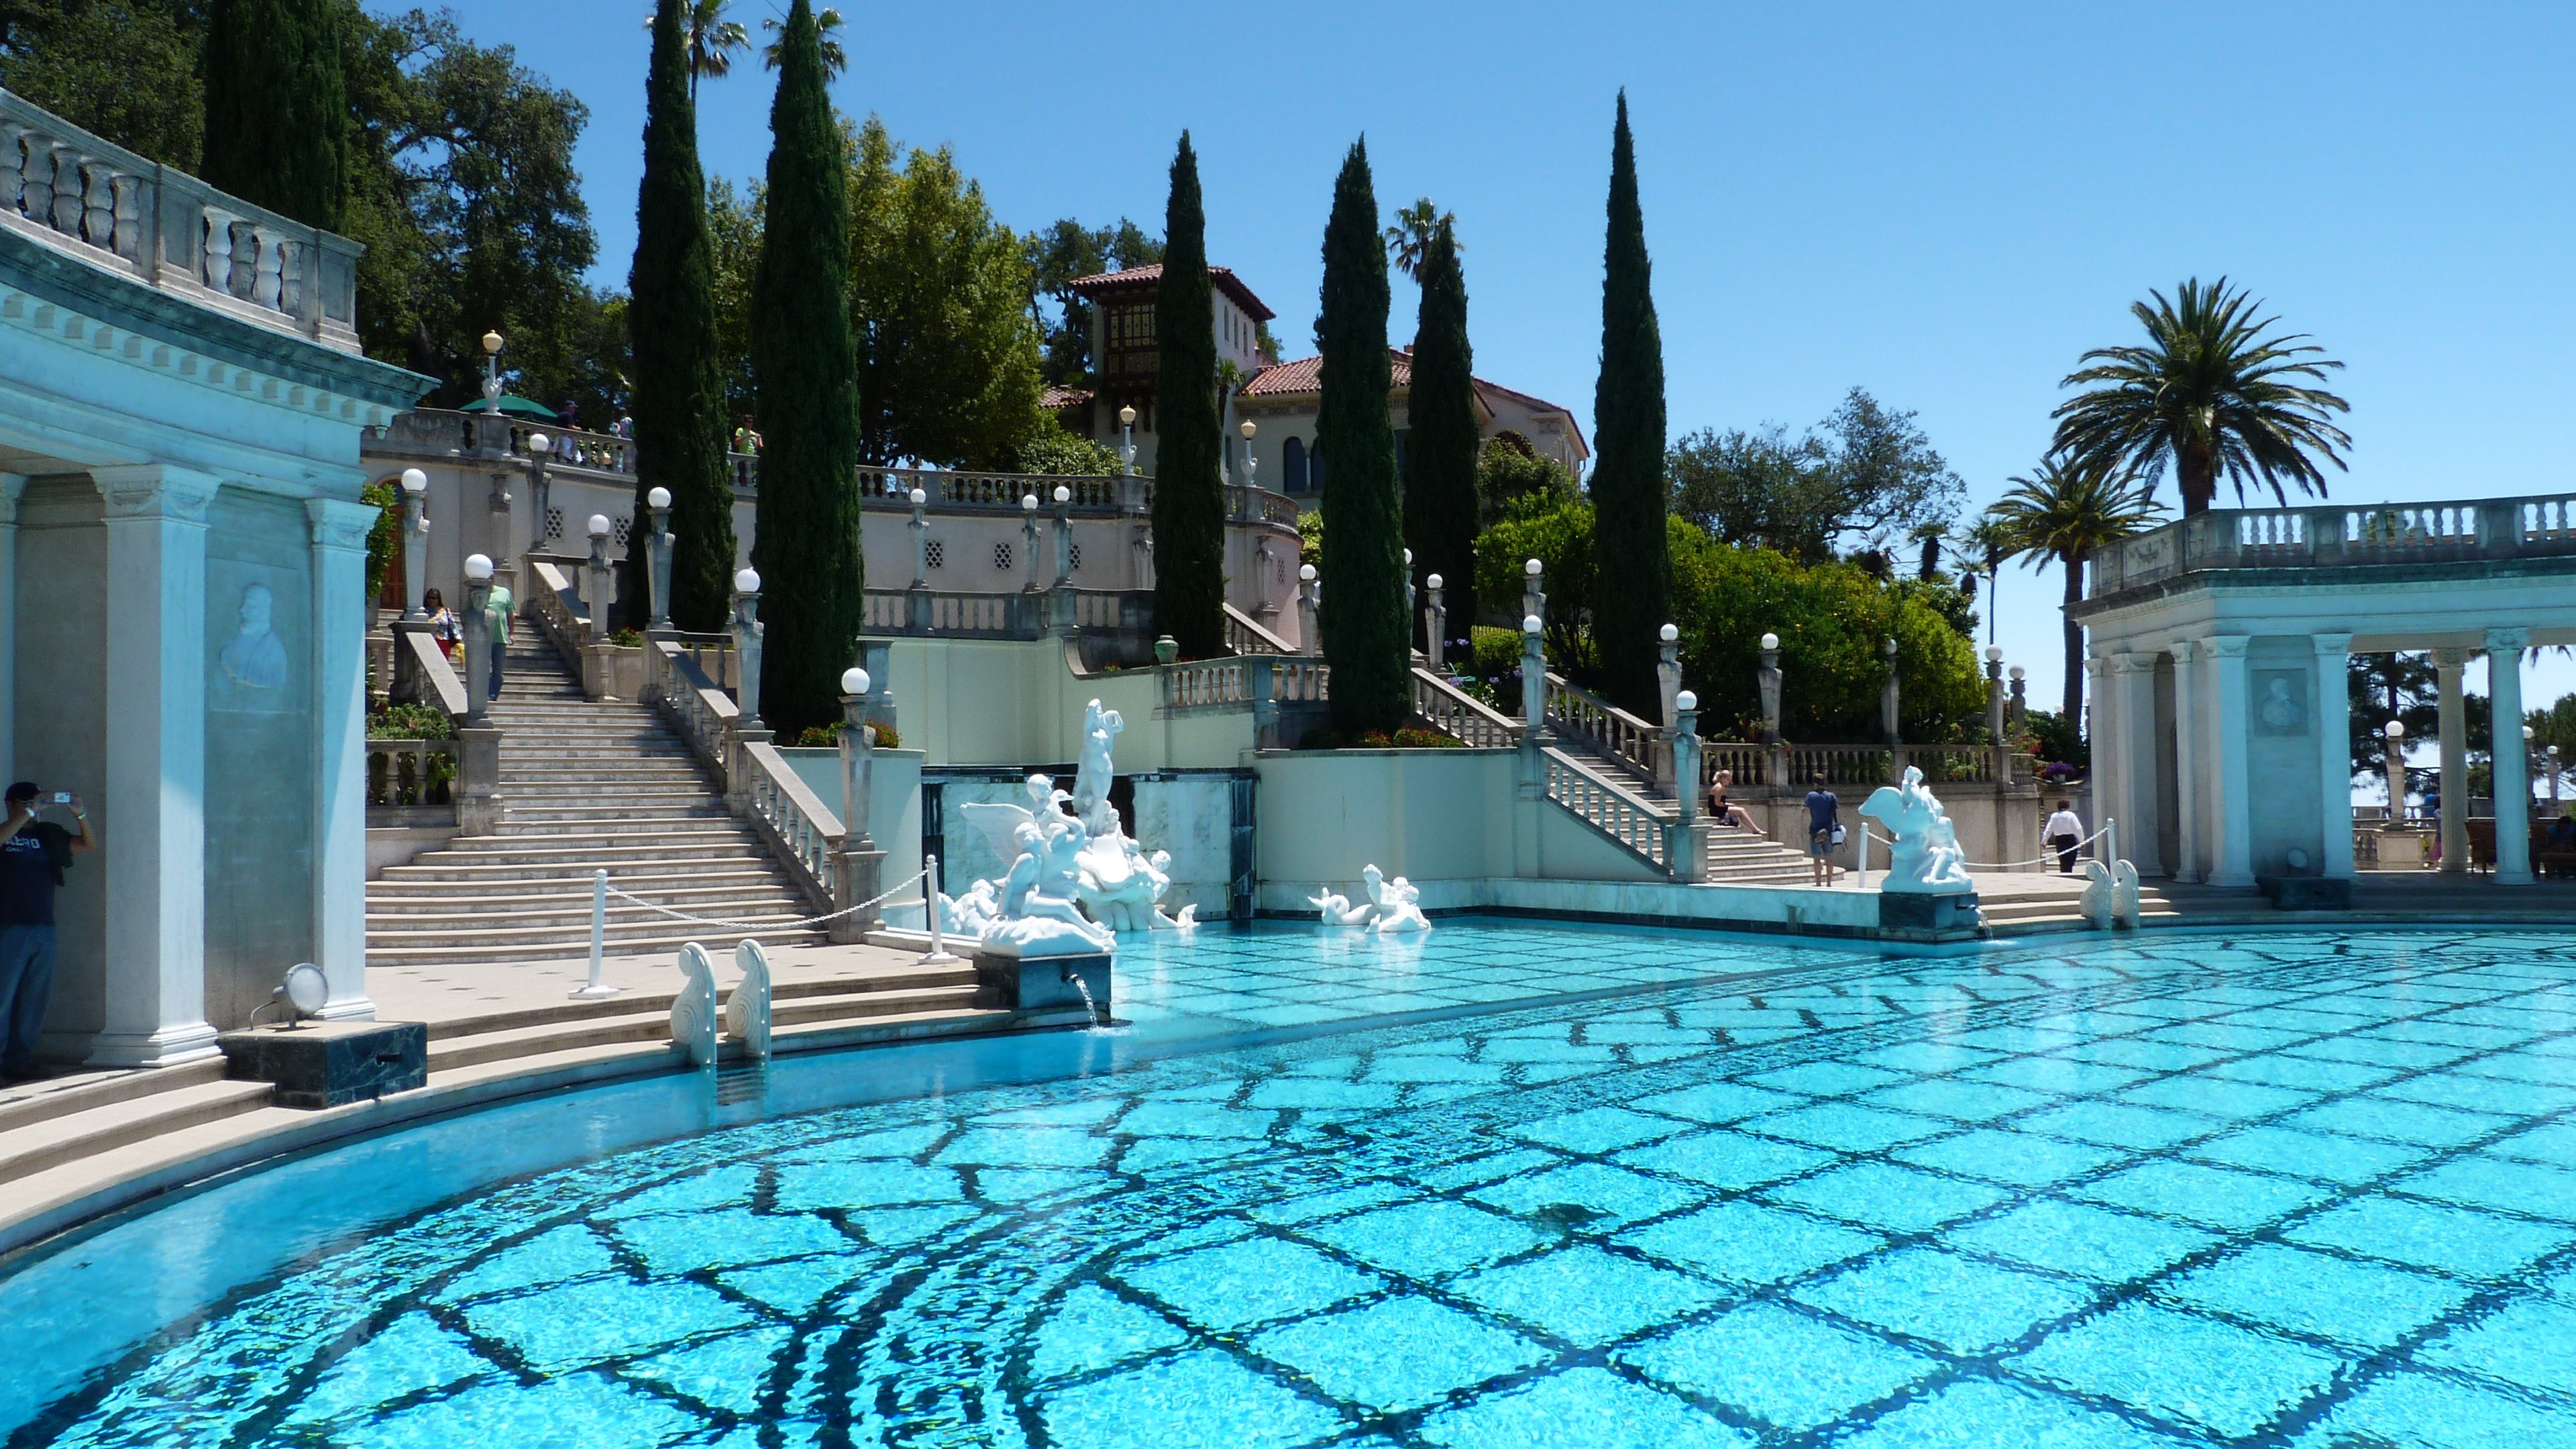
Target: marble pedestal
1042,984
1916,911
330,1063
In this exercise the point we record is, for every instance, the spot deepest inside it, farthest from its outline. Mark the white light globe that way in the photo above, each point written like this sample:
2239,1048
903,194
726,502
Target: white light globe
1770,641
599,525
539,442
659,497
2016,672
1408,558
478,567
1533,568
1028,502
919,498
1063,494
1685,701
1668,633
414,481
854,681
2395,729
1530,624
1433,581
1306,572
1994,654
747,582
306,988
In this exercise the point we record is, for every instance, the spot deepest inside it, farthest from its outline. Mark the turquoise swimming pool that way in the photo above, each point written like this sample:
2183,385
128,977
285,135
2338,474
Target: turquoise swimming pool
2285,1189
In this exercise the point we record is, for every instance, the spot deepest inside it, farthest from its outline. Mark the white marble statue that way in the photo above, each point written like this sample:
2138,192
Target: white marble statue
1389,906
2111,896
1925,858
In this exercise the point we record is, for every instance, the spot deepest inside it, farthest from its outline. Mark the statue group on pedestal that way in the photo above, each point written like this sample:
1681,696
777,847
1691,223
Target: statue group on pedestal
1924,857
1075,878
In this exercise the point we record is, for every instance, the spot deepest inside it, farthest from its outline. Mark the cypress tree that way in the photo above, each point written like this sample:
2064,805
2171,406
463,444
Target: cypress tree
808,545
1440,467
679,393
1189,494
1628,498
1363,568
277,110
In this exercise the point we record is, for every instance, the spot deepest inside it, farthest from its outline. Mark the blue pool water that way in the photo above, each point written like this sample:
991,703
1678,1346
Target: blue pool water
2286,1189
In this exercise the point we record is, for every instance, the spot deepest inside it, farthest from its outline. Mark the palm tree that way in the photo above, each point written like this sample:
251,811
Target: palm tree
2066,510
1412,232
827,20
1983,547
712,40
2214,393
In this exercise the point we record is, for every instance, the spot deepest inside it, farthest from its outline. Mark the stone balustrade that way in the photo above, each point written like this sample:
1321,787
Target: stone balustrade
2340,536
98,201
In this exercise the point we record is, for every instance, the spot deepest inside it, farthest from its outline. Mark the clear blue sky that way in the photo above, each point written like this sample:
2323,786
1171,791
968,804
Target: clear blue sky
1944,205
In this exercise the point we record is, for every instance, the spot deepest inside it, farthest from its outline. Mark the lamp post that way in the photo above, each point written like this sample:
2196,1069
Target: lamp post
1029,537
1994,694
1250,463
1533,679
1888,698
2018,714
478,640
1310,635
2550,755
594,578
1435,623
1127,437
920,539
860,864
1063,535
658,505
1410,607
1533,598
492,345
746,643
541,520
2528,763
415,489
1769,682
2395,733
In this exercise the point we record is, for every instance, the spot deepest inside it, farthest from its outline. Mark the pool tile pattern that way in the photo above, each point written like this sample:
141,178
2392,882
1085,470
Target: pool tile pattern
2288,1189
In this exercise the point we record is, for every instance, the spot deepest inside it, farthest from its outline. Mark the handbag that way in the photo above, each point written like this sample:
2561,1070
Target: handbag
1838,834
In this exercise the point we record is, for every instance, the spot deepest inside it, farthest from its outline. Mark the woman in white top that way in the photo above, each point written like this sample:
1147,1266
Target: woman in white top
2062,834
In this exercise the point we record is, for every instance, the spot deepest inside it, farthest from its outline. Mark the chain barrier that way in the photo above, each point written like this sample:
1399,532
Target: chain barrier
886,899
2048,859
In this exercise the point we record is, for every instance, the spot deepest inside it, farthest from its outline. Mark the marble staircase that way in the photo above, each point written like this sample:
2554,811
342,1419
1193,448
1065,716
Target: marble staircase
587,785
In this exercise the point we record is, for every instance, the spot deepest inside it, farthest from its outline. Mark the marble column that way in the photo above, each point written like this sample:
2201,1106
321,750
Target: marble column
152,819
2334,754
2512,757
2447,665
2188,795
2139,844
340,752
13,486
2103,735
2232,803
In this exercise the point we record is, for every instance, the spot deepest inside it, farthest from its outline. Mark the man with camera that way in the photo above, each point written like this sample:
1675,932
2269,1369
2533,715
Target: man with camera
34,853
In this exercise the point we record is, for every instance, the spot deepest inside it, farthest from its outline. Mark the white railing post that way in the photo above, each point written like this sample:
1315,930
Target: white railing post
930,908
597,988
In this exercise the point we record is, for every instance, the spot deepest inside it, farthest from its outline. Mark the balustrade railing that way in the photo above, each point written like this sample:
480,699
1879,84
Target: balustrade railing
1749,763
169,230
1608,729
2337,535
410,772
1462,716
1244,635
1609,807
556,607
1207,684
702,713
798,826
1840,764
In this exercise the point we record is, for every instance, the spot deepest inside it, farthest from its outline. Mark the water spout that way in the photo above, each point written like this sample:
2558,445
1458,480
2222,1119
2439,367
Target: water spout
1084,987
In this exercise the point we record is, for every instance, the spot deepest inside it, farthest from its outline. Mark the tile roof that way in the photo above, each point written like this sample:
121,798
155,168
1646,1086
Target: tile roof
1057,396
1224,278
1305,378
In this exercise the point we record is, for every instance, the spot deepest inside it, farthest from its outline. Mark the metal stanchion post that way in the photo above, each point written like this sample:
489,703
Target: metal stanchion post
597,989
930,909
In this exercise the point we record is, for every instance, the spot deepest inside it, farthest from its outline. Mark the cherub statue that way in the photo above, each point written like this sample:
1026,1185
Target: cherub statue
1400,908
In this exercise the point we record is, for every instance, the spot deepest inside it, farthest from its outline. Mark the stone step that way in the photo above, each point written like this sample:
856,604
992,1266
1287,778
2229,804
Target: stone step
476,869
528,851
670,889
725,901
565,919
528,819
644,1020
34,1146
50,1097
562,950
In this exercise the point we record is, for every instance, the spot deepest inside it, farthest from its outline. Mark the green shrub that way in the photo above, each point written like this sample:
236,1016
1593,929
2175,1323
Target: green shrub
410,722
627,638
828,737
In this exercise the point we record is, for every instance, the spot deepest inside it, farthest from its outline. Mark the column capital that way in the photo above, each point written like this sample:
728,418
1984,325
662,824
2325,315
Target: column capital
2227,646
156,490
2332,646
2498,639
2132,662
2449,657
2184,651
13,486
340,524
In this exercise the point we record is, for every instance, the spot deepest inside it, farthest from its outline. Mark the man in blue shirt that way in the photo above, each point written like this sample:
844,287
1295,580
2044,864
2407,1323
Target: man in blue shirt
1824,815
33,856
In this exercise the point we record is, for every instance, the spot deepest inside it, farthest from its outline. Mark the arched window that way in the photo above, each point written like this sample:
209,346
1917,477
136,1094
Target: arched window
1293,466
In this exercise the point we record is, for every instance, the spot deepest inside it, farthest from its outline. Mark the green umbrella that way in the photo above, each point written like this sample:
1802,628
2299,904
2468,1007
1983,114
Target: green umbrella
515,406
